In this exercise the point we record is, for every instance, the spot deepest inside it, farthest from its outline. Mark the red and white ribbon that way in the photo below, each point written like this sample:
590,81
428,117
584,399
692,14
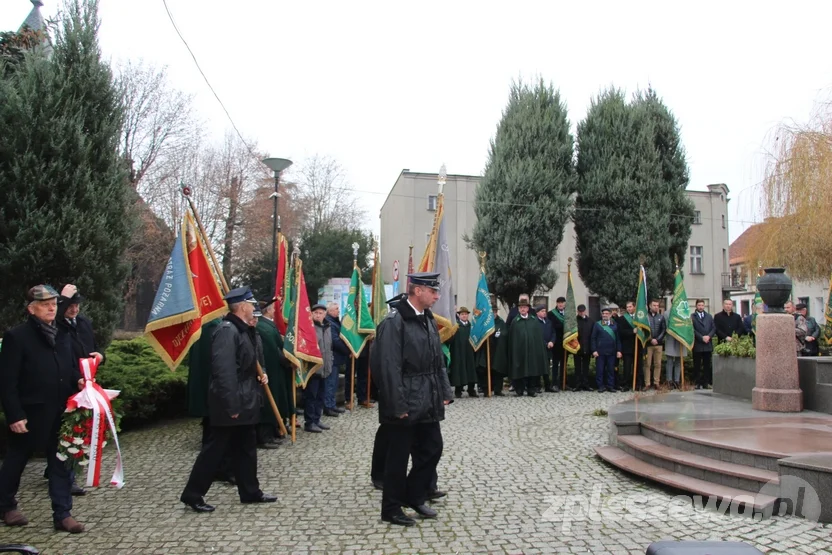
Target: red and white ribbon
97,399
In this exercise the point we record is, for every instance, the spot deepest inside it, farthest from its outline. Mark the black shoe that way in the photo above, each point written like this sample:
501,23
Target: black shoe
436,494
532,394
601,391
340,410
458,396
424,511
264,498
200,506
399,519
518,393
77,490
498,393
332,412
323,426
550,390
472,394
313,428
556,389
378,484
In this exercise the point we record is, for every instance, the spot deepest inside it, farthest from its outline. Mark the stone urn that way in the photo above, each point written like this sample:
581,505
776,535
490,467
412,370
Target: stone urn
775,287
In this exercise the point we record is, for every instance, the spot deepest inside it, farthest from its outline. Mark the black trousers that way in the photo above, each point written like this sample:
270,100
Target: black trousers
242,443
581,360
403,489
558,364
471,389
526,384
496,381
629,361
702,368
379,460
43,423
226,468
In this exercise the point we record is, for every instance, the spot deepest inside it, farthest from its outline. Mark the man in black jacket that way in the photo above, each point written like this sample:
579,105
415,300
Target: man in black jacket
728,322
655,346
341,360
557,317
703,345
38,373
548,343
234,400
413,391
79,329
584,355
627,331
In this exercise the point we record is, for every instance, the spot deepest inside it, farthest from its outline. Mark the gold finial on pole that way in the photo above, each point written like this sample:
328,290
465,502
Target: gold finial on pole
482,256
676,261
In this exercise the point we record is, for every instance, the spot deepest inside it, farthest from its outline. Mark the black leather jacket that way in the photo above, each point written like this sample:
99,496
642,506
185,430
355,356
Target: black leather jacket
409,367
235,350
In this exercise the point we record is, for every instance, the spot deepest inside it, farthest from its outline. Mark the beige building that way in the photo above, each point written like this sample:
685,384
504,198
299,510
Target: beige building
744,280
407,217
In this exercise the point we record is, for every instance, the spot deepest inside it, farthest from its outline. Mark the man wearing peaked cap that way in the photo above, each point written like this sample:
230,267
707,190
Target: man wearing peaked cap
234,399
278,369
462,371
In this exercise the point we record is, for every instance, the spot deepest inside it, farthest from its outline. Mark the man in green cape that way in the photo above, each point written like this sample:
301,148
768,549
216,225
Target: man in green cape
498,346
463,368
526,353
279,371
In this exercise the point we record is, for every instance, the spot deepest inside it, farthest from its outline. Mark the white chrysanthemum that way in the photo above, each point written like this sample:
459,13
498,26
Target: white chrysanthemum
61,456
78,440
85,462
72,450
64,443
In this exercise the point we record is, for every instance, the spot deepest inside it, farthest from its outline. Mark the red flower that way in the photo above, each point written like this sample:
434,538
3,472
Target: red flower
87,441
79,454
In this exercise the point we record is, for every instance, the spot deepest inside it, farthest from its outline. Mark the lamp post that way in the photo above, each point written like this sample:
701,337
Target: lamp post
277,165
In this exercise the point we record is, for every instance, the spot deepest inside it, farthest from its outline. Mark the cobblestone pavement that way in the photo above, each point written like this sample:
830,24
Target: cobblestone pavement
506,461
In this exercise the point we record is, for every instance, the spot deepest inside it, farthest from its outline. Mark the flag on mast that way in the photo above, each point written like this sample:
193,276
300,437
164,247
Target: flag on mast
483,325
570,320
280,283
379,299
641,320
679,324
301,342
357,323
187,296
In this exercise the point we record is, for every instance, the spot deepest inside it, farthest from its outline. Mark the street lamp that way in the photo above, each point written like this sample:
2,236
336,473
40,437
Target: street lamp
277,165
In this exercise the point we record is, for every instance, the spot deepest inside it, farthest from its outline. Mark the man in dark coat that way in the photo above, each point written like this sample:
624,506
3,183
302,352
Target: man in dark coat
813,331
548,344
463,368
727,322
314,394
557,317
413,391
628,332
655,346
38,373
703,345
234,400
497,345
606,348
279,371
526,352
584,355
341,363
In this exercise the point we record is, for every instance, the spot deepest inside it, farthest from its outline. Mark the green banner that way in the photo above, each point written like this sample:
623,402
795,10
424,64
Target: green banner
357,322
679,324
641,320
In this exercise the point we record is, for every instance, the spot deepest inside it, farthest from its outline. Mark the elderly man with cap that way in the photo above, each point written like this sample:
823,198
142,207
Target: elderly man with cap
606,348
234,400
38,373
413,391
548,343
584,354
557,317
315,392
463,367
526,352
279,371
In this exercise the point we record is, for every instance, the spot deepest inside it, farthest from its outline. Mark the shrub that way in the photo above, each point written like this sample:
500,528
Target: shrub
149,390
737,347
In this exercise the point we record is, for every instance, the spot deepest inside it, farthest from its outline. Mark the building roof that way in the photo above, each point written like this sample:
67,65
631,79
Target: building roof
738,251
34,20
428,175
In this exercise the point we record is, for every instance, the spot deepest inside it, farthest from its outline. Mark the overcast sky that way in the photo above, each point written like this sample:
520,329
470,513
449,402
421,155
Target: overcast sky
382,86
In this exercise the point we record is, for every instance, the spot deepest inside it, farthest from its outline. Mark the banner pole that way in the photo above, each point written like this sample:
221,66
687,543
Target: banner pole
367,401
635,362
352,382
488,364
565,355
225,289
682,359
294,404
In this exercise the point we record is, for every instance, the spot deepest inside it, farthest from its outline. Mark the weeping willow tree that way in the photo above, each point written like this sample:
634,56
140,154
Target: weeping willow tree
797,199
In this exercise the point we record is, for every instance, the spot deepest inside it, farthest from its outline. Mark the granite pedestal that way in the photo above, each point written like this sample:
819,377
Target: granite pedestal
778,382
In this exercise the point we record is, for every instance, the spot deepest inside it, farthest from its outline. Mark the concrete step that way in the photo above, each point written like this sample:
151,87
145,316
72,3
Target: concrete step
763,504
697,466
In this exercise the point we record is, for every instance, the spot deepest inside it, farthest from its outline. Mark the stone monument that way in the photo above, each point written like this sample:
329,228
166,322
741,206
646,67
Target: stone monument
778,383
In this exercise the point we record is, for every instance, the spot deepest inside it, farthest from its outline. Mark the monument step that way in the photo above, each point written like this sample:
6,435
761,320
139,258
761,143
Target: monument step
697,466
711,449
761,504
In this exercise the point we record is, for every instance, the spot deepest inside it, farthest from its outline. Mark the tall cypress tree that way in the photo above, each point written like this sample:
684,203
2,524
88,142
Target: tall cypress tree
64,197
523,200
631,200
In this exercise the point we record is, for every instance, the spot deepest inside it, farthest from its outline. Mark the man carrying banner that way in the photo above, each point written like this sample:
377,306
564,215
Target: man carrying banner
584,354
279,371
463,369
527,356
234,401
413,391
629,334
558,318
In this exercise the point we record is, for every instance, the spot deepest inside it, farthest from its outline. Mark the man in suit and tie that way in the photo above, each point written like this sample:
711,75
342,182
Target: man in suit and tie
606,348
703,346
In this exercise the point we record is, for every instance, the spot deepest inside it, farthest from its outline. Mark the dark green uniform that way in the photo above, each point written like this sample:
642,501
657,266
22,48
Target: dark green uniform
280,375
498,347
463,369
527,356
199,371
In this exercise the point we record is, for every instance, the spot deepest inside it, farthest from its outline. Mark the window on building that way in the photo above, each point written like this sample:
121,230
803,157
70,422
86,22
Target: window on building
804,300
432,203
723,221
696,260
697,217
540,299
745,307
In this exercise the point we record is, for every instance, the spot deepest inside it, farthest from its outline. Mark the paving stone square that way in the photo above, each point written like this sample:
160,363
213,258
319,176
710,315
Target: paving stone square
513,468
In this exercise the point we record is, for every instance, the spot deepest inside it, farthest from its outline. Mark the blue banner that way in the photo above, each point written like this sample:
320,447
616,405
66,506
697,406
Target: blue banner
483,321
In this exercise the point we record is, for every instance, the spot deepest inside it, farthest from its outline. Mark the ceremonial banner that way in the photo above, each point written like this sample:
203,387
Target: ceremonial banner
679,324
827,332
301,342
356,323
437,259
410,263
641,319
378,297
188,295
280,283
570,321
483,325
